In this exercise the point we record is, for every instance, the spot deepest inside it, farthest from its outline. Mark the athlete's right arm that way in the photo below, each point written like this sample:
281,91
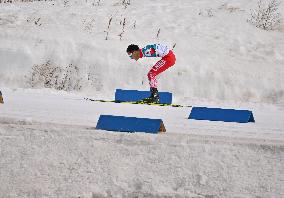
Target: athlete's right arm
149,51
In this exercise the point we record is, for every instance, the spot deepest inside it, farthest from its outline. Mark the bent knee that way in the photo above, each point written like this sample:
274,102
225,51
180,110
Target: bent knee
151,74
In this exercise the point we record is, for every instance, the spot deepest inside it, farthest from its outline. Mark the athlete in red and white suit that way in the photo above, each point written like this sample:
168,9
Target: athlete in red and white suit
154,50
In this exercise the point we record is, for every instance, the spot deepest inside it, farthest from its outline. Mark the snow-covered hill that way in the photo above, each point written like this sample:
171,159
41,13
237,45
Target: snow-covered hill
54,53
220,56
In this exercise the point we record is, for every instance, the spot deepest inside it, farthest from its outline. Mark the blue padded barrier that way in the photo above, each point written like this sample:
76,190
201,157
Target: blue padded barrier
135,95
218,114
130,124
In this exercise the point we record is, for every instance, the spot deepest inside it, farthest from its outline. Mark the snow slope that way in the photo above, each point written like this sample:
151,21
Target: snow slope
219,55
49,146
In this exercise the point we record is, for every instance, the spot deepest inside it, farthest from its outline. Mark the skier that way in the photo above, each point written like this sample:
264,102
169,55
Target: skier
153,50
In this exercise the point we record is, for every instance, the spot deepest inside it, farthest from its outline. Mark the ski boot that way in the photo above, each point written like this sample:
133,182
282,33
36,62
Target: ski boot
154,98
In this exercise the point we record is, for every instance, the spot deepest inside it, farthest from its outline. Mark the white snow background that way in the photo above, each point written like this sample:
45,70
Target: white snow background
49,146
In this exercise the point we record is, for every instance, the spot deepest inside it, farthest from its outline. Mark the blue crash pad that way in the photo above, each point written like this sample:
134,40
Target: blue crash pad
130,124
135,95
218,114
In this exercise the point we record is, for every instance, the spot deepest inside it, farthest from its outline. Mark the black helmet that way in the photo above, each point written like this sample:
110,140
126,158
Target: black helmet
132,48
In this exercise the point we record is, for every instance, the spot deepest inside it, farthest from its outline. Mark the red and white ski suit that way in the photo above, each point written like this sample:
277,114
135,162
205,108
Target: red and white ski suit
168,60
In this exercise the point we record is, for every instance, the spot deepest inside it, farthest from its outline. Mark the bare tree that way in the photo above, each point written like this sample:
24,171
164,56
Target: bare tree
266,16
158,33
108,28
123,26
125,3
50,75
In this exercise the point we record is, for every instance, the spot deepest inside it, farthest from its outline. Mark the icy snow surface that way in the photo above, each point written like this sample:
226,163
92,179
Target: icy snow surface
49,146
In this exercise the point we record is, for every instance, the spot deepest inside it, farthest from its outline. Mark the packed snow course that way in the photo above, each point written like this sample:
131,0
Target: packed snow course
55,53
